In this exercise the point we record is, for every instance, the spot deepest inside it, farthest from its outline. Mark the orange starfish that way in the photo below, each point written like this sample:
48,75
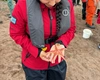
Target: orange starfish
58,52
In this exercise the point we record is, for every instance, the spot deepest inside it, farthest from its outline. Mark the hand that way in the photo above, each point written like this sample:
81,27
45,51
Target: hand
56,50
44,57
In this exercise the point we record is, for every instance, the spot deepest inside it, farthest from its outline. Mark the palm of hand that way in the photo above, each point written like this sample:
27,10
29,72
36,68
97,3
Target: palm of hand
58,52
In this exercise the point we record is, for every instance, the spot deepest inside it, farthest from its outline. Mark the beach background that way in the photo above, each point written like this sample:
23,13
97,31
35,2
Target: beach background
82,55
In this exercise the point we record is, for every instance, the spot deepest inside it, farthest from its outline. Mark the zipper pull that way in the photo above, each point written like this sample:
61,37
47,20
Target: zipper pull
50,14
51,17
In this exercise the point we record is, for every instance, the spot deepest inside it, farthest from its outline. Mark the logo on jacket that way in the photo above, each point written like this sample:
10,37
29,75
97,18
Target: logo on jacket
13,20
65,12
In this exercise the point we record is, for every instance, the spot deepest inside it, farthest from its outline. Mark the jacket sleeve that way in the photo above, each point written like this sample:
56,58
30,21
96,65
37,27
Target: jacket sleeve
18,31
69,34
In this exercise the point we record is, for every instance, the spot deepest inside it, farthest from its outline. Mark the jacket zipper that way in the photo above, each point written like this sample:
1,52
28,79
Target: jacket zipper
27,55
50,16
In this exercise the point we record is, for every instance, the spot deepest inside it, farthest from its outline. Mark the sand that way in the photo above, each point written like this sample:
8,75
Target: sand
82,55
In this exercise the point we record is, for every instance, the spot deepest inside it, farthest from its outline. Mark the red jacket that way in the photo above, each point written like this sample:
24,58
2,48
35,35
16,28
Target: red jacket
19,31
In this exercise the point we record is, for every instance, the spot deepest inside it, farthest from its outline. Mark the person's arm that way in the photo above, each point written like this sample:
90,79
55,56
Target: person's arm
18,31
68,36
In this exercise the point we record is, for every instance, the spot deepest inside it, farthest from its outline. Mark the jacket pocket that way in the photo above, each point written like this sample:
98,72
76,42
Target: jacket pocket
27,56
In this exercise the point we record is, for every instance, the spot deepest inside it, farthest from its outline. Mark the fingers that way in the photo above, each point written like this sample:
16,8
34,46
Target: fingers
50,55
59,58
52,48
54,58
44,57
57,50
63,51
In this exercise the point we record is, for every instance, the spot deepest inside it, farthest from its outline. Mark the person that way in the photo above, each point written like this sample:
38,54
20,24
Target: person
98,17
43,28
90,11
98,8
76,2
11,6
84,9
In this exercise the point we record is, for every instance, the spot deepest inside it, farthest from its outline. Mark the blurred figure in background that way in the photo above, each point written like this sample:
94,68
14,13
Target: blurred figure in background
11,6
76,2
98,8
90,11
84,9
98,16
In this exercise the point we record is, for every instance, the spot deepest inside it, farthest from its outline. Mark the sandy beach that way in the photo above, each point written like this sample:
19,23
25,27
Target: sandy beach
82,55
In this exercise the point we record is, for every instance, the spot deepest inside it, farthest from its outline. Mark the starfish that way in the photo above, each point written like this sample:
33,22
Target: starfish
58,51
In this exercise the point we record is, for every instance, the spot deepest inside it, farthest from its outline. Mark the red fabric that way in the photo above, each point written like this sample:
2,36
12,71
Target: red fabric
98,19
84,0
19,31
